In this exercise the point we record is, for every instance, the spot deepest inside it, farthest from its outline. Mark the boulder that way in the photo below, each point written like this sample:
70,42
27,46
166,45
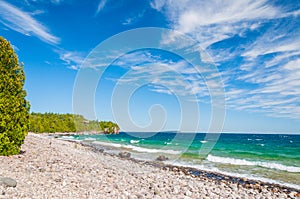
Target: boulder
124,155
162,158
9,182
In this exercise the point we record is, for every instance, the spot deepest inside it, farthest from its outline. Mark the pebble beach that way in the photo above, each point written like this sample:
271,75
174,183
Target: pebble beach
52,168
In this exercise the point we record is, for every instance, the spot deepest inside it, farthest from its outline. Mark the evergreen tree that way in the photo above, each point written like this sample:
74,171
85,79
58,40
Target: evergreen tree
14,109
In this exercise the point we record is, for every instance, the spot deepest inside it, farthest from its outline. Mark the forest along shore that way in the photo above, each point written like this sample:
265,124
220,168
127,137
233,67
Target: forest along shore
58,134
52,168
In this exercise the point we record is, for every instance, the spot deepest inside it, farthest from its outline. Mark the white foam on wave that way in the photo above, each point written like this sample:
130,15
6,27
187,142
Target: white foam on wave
89,139
137,148
147,150
65,137
108,144
134,141
238,175
203,141
270,165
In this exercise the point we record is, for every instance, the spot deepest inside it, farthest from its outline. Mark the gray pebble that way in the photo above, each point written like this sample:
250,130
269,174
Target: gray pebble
9,182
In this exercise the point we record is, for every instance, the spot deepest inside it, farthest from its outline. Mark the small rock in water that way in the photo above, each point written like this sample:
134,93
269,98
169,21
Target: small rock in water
162,158
124,154
8,182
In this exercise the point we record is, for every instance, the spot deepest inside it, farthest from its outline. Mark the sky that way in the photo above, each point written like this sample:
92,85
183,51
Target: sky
150,65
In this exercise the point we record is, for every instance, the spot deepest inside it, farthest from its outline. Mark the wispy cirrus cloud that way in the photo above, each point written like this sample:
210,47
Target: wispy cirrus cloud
213,21
55,2
23,22
157,4
255,45
133,19
100,6
162,75
72,59
274,90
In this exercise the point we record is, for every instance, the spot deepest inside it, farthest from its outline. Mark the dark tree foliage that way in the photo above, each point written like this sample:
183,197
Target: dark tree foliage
54,122
14,109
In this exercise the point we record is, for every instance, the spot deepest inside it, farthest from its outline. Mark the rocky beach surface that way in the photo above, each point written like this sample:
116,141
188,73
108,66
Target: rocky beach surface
52,168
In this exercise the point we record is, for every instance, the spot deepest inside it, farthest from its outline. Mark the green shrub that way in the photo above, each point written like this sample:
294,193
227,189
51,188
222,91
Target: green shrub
14,109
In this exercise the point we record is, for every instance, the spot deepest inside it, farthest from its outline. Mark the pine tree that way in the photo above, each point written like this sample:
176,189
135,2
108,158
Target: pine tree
14,108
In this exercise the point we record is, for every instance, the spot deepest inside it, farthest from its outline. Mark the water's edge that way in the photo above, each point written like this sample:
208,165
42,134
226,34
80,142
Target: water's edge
198,173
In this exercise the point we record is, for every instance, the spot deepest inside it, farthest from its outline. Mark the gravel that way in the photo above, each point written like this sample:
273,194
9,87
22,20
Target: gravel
51,168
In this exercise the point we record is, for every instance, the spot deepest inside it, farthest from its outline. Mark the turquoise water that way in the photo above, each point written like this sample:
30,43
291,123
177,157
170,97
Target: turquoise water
267,157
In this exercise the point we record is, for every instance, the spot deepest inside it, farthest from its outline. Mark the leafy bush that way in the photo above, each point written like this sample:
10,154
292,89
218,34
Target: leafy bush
14,109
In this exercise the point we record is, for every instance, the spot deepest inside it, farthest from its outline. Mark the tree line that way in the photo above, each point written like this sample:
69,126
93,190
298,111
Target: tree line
54,122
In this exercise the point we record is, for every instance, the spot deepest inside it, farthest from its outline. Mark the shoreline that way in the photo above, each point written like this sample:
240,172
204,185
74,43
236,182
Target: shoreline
242,180
198,173
53,168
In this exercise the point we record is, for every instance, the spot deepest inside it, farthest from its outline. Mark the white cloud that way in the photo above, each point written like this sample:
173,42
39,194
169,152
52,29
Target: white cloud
128,21
134,19
55,2
293,65
74,67
216,20
38,12
229,12
261,73
101,6
264,46
72,59
164,75
157,4
275,91
20,21
276,60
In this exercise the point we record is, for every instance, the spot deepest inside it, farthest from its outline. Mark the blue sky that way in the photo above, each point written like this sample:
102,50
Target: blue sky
254,46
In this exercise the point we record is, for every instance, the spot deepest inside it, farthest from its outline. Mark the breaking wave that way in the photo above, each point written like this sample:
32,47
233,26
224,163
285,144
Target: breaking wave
270,165
137,148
